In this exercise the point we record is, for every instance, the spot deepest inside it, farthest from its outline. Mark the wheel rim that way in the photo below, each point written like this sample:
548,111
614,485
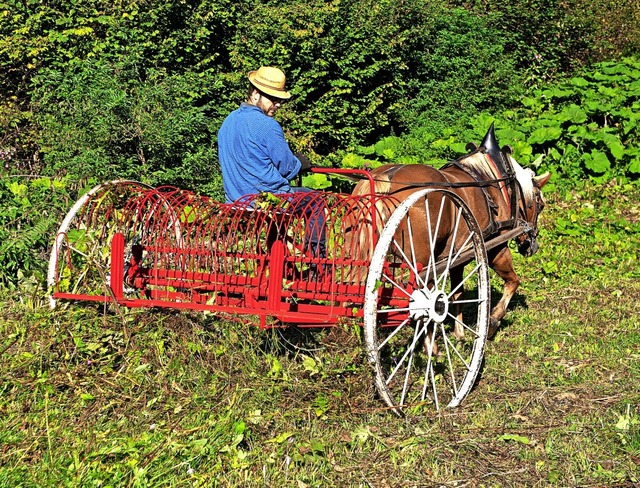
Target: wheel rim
88,253
411,307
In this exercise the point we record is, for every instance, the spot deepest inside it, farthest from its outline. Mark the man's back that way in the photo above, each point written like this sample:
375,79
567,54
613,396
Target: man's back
254,155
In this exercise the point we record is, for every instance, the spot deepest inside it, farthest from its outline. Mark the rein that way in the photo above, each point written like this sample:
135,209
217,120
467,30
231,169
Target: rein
448,184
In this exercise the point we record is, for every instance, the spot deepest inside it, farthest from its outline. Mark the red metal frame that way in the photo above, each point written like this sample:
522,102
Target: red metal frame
171,248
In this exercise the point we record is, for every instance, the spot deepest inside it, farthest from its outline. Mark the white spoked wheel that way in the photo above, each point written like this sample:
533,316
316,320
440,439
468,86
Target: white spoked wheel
82,242
427,303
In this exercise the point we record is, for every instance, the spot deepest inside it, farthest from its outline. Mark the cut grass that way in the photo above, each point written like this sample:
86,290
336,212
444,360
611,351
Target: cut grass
179,399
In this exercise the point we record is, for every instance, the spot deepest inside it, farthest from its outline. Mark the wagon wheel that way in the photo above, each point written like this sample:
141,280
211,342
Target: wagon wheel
424,342
80,254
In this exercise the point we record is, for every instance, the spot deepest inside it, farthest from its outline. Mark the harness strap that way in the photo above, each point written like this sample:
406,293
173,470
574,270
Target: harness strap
448,184
509,184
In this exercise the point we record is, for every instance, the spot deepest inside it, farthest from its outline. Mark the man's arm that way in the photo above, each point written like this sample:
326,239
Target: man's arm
287,164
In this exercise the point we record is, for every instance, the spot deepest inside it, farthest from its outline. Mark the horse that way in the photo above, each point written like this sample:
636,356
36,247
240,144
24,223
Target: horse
500,193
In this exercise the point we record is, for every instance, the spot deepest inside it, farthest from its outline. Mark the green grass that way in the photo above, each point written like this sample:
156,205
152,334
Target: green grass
88,398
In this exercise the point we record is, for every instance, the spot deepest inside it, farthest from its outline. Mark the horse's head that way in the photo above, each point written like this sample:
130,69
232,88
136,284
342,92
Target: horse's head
530,206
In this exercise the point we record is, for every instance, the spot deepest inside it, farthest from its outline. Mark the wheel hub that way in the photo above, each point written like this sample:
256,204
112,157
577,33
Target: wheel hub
431,304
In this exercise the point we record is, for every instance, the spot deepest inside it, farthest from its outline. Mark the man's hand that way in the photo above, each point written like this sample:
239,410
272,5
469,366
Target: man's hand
304,161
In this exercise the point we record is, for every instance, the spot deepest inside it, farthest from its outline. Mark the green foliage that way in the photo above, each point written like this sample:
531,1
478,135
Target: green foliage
30,212
102,89
349,63
101,121
546,37
551,38
130,85
586,126
143,73
465,68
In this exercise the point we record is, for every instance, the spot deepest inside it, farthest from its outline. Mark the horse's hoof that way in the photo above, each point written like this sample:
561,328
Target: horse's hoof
493,328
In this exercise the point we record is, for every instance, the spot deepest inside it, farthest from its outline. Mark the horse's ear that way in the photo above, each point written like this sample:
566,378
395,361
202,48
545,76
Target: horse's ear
507,149
471,147
541,180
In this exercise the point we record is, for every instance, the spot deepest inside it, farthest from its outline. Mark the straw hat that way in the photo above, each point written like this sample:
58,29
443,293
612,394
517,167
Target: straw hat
270,81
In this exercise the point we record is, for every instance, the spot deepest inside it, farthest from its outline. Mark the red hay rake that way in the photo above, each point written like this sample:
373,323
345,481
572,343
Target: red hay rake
126,243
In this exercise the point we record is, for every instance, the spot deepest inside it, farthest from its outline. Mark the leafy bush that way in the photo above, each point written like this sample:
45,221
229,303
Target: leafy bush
587,125
464,68
30,213
102,120
362,69
131,89
120,88
550,39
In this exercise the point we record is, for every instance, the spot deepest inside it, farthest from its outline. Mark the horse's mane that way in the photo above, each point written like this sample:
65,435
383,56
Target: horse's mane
525,178
484,168
480,165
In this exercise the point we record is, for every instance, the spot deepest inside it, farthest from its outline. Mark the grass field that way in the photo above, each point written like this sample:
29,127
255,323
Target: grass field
89,398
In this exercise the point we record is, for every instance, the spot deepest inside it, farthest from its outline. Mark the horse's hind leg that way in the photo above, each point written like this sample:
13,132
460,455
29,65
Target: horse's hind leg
501,262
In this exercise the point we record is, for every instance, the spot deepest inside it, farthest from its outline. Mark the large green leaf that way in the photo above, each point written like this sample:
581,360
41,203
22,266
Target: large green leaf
614,145
579,82
509,135
615,68
316,181
634,166
522,151
561,92
544,134
609,91
597,162
574,114
596,106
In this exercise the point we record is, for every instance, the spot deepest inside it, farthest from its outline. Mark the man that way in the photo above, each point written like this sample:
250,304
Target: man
254,155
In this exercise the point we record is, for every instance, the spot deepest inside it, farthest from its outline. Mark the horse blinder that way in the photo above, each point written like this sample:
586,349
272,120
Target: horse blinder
528,245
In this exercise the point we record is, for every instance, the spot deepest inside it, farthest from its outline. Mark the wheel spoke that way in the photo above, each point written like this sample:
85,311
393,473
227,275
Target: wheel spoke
468,300
413,264
445,274
462,249
393,310
473,331
464,280
395,331
428,372
413,267
397,286
408,372
432,243
432,375
416,334
453,347
449,362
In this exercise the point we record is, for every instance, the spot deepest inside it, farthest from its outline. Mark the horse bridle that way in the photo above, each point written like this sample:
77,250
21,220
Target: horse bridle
529,245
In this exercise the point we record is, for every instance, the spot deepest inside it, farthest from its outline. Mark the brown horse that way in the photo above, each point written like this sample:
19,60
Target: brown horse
499,192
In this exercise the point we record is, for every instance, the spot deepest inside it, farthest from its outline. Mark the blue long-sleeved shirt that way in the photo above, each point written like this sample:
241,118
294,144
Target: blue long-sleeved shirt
254,155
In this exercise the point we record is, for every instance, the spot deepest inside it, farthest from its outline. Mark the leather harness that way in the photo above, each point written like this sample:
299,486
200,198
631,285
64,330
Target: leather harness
508,179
